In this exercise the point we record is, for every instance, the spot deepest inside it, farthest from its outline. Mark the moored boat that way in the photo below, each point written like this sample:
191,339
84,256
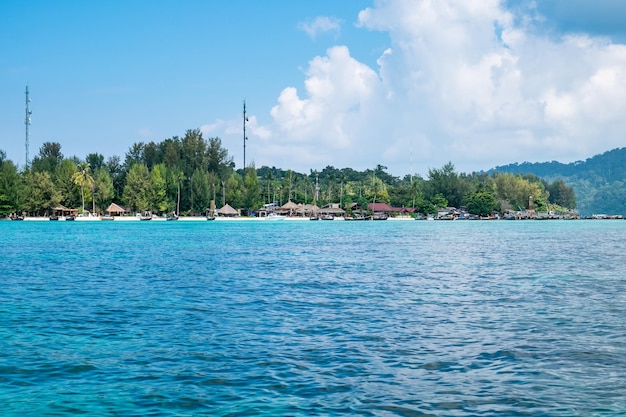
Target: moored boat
274,216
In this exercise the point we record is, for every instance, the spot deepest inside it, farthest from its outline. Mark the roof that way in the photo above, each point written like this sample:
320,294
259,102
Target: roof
289,205
379,207
115,208
331,210
227,210
307,209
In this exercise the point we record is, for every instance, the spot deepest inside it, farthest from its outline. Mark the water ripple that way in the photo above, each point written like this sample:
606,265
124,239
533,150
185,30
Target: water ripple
320,318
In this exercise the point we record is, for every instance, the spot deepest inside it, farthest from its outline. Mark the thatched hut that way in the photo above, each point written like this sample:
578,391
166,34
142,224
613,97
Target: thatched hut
227,211
289,208
307,210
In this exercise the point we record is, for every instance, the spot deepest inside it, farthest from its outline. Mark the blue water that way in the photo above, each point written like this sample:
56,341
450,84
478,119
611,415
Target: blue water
313,318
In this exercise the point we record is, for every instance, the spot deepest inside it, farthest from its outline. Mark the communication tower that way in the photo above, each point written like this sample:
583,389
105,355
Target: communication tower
245,138
27,123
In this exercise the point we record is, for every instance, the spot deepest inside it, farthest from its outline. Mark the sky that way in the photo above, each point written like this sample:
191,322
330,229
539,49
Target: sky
407,84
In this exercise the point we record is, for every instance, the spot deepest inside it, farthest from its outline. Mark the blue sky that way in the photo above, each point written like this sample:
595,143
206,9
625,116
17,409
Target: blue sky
409,84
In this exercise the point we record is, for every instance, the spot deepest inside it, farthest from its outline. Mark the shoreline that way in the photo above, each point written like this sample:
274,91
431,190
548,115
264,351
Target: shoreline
257,219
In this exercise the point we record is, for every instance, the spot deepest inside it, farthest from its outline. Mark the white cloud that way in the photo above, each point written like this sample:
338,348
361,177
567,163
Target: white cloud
319,25
468,82
145,133
214,128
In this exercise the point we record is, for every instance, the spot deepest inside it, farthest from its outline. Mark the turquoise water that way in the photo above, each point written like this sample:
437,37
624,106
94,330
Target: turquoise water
313,318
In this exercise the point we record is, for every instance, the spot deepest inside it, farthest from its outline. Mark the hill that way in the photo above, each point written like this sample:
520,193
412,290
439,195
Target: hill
599,181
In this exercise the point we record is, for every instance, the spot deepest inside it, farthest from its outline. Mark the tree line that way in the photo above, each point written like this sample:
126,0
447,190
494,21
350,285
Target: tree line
599,181
184,175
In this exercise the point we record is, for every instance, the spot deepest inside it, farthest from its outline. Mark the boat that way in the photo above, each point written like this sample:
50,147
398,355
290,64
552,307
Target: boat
355,218
172,217
54,218
70,218
274,216
16,217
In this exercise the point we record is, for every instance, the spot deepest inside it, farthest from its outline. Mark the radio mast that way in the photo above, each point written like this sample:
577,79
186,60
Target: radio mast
27,123
245,138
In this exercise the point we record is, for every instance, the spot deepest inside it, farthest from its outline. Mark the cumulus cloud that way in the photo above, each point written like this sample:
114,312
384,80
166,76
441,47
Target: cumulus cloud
319,25
469,82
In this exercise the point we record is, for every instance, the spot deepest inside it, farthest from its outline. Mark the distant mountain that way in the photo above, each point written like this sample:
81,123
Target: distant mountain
599,182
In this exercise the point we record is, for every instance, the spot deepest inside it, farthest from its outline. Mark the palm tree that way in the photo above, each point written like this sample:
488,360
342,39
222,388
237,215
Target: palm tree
81,178
179,176
268,178
344,179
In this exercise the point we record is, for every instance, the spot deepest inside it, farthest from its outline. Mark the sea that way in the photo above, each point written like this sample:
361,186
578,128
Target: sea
300,318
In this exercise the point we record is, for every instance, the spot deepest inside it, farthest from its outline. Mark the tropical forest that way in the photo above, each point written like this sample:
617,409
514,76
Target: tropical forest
185,174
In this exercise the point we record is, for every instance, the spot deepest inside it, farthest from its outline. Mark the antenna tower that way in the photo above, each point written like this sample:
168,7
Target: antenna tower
27,123
245,138
411,158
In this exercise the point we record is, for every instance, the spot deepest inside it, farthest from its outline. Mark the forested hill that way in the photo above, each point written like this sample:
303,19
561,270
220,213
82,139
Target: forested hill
599,182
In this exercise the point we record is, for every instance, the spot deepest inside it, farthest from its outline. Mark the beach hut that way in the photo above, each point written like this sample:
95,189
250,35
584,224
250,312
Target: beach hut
227,211
289,208
115,210
307,210
332,209
61,210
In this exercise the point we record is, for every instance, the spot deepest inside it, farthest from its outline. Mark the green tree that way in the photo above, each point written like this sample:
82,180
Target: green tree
481,203
177,178
82,177
194,150
439,201
214,183
151,155
137,189
158,188
252,190
561,194
377,191
233,190
427,207
446,181
48,158
10,186
64,182
200,191
517,191
39,193
95,161
134,155
103,188
118,176
170,151
217,158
